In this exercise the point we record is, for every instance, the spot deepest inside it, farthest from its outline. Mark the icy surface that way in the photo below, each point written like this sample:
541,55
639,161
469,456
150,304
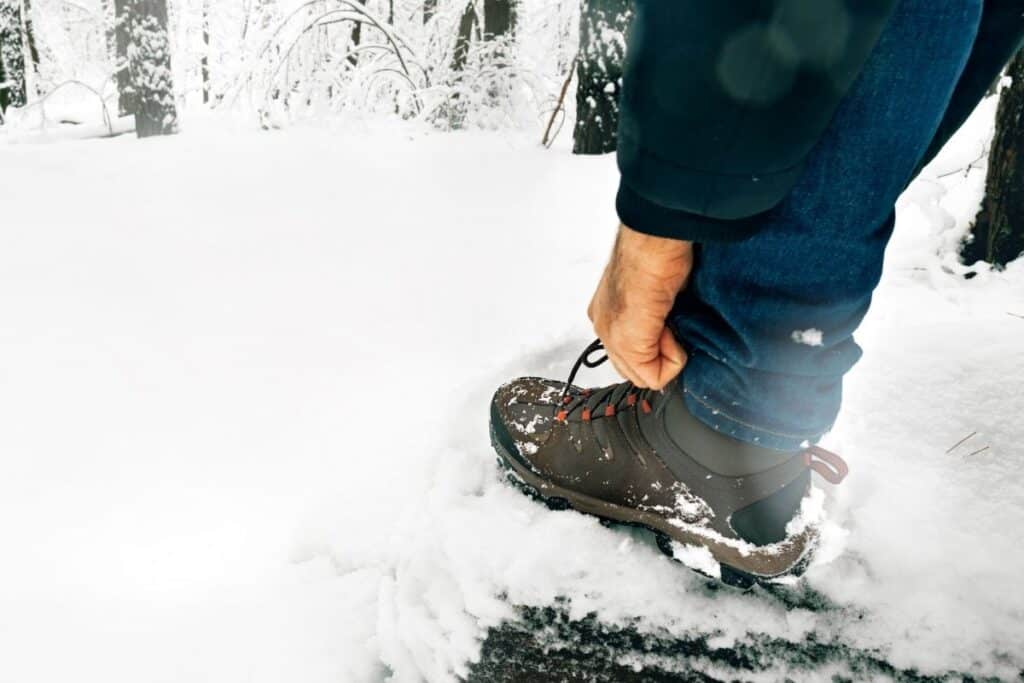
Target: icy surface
244,381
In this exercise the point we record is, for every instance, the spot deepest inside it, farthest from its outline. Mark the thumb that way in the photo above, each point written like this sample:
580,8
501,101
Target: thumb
673,358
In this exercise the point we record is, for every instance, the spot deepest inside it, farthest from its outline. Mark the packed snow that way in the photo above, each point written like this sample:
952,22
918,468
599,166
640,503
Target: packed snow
244,380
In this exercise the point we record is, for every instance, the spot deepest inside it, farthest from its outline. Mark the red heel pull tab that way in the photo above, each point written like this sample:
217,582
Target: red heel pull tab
829,465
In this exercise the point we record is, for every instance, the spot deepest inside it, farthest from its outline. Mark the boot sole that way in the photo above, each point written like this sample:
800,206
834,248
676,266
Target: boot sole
738,568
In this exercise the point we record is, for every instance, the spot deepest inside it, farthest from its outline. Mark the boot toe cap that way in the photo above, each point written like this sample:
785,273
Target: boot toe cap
523,413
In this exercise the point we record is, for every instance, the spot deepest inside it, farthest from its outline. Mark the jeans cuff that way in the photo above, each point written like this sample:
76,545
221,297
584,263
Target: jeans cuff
708,411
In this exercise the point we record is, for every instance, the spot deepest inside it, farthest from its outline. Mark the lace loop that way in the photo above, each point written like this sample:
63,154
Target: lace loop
585,359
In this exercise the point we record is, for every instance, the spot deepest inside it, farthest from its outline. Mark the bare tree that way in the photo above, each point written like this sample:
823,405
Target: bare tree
603,28
143,46
999,228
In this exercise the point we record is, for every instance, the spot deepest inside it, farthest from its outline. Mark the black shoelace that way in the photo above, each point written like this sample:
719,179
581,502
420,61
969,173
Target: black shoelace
585,360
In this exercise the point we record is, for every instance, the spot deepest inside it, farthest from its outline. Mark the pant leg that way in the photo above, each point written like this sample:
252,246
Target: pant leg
1000,35
769,321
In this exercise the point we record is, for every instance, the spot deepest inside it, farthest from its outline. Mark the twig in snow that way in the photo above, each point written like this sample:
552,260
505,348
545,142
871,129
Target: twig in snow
980,450
966,169
958,443
560,105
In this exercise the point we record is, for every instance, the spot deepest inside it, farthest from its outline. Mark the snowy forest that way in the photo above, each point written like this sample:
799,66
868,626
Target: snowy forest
263,264
491,64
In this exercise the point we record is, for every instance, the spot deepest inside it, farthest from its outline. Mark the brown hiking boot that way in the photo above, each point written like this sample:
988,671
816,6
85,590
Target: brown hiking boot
724,507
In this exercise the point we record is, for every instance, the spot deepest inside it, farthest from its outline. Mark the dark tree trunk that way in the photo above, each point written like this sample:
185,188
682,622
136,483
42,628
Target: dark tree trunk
498,21
204,61
147,87
12,57
429,10
126,101
499,18
357,38
603,28
30,42
464,37
999,228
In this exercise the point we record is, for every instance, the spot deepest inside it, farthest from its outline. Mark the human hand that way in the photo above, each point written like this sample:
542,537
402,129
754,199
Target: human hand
633,301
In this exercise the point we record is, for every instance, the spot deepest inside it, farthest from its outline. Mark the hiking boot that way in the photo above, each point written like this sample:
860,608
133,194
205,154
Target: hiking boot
724,507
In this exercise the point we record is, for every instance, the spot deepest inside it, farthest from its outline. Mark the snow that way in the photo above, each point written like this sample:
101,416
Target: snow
697,558
244,380
810,337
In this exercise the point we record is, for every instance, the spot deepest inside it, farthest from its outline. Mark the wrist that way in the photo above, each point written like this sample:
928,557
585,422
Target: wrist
661,257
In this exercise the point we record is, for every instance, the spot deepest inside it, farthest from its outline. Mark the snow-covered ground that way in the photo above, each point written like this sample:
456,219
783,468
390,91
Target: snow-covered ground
243,401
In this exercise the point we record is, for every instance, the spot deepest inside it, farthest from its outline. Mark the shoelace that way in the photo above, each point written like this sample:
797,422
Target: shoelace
610,398
827,464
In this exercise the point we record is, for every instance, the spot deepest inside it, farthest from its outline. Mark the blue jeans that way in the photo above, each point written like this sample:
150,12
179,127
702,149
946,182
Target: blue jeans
769,321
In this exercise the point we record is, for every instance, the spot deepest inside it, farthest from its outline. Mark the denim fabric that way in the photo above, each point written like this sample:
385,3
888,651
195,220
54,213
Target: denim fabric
769,321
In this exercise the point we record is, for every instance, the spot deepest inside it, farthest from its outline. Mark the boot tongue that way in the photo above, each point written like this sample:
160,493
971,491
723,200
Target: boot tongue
717,452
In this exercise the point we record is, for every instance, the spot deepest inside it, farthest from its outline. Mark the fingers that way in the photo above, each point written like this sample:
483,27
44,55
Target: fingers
655,372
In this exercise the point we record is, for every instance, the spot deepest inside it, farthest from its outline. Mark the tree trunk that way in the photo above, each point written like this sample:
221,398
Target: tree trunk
12,57
429,10
603,27
204,61
999,227
464,37
357,37
30,42
147,89
126,101
499,18
498,21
